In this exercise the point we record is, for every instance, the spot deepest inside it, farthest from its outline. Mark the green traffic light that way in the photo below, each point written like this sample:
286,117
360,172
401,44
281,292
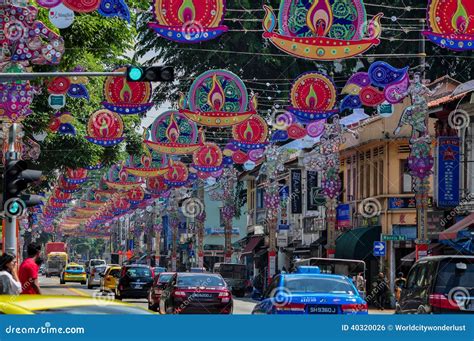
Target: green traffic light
135,73
14,208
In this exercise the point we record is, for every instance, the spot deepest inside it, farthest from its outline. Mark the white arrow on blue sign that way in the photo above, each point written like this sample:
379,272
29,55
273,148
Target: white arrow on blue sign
379,249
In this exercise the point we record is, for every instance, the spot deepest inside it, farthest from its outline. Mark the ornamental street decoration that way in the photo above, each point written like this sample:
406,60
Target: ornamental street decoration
249,141
62,123
381,83
147,167
119,179
125,97
177,174
76,176
313,98
322,29
106,8
451,24
207,160
218,98
105,128
188,21
173,134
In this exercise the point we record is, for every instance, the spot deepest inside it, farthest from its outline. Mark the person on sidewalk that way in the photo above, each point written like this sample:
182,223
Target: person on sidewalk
400,283
9,282
28,272
381,290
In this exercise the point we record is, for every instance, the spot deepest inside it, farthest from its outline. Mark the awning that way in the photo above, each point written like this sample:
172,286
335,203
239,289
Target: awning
301,251
251,245
357,243
452,232
433,249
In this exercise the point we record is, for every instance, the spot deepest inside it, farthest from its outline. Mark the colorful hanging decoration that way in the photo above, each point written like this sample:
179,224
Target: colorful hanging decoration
120,180
313,98
106,8
105,128
177,174
156,185
146,168
322,29
172,133
207,160
62,123
76,176
126,98
249,141
451,24
188,21
67,187
382,83
218,98
17,96
27,40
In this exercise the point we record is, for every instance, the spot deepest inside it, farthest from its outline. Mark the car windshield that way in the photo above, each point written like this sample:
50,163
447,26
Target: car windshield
138,272
114,272
97,262
95,310
159,269
100,269
318,285
74,268
164,278
234,271
200,281
449,277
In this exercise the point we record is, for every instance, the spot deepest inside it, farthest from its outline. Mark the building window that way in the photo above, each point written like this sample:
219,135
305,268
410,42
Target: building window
376,178
367,180
221,217
381,177
260,194
349,186
406,180
361,182
354,183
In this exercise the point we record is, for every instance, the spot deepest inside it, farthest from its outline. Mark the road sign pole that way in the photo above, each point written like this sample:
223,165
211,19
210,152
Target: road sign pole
11,241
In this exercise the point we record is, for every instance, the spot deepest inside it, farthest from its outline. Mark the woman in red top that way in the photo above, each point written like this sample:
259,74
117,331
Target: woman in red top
28,272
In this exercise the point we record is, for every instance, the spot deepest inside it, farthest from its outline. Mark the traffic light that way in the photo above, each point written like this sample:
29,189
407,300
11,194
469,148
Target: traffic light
150,74
16,178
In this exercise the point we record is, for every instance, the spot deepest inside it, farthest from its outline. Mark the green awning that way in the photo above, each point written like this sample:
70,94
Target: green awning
357,243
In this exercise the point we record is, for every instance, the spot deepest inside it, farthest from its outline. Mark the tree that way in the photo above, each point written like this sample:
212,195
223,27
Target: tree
96,43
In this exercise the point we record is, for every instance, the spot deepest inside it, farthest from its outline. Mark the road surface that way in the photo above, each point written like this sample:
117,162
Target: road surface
51,286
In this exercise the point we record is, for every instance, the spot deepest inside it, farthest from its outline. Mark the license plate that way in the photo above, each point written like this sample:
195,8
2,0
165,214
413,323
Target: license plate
202,295
321,309
137,286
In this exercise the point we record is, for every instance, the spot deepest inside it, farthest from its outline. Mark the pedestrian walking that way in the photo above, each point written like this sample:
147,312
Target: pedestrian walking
360,282
28,272
400,283
381,289
9,282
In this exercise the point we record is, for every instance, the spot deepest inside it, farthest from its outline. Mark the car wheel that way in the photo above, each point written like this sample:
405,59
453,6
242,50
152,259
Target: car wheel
169,310
240,293
83,283
421,310
62,281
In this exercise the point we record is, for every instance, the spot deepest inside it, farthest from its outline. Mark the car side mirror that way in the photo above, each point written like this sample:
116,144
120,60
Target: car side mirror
461,266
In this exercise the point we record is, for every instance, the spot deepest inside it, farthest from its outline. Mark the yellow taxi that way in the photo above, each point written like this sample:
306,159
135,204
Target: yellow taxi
108,280
73,272
44,304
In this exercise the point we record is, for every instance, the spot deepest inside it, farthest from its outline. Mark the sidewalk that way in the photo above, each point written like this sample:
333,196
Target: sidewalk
373,311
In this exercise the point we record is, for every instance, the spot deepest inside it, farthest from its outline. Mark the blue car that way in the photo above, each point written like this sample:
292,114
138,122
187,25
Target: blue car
308,291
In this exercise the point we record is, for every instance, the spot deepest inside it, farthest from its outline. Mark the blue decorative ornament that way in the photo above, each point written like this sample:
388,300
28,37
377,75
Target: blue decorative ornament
192,176
279,136
351,102
227,160
114,8
78,91
67,129
383,74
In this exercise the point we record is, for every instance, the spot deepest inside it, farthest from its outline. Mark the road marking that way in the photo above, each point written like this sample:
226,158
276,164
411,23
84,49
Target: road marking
80,293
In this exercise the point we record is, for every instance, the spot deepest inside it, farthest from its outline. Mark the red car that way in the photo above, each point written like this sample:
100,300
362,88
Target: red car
159,283
196,293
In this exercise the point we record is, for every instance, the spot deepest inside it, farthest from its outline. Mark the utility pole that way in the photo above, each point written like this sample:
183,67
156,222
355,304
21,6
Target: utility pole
11,242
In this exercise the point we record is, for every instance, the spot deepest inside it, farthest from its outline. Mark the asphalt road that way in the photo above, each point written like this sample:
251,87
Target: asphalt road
51,286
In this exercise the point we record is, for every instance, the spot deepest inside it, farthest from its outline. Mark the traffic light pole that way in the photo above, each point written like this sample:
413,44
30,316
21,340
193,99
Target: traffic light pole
10,222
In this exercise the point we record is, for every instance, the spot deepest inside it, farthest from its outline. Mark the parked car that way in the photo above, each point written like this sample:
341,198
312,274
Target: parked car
73,272
308,291
159,283
198,270
196,293
94,275
135,282
108,279
439,285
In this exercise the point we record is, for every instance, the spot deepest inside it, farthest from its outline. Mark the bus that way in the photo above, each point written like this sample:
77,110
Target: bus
55,263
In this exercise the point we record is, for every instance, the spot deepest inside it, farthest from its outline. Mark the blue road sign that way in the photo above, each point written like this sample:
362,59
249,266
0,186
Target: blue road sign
379,249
